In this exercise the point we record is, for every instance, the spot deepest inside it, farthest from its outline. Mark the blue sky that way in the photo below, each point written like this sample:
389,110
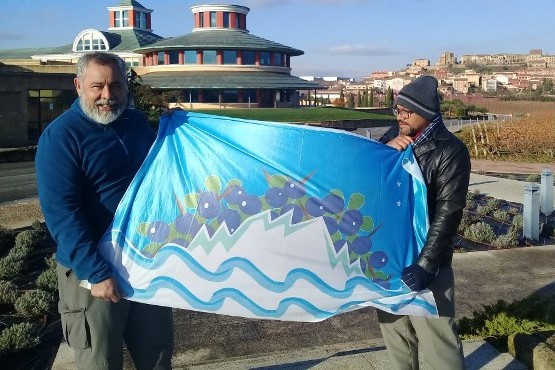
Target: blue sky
348,38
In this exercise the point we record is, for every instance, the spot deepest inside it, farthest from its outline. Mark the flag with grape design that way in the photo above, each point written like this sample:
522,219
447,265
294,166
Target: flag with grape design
269,220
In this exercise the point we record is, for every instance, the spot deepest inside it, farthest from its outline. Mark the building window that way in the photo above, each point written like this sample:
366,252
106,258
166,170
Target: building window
227,15
213,19
122,18
209,57
44,106
265,58
210,96
278,59
249,96
249,57
140,20
190,57
230,96
98,44
131,62
90,40
238,21
230,56
174,57
190,96
201,19
161,59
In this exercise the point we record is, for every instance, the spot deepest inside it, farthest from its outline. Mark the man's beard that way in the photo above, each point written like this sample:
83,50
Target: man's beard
104,118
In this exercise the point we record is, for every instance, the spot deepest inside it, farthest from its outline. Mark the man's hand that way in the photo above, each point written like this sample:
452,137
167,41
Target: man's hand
107,290
401,142
416,277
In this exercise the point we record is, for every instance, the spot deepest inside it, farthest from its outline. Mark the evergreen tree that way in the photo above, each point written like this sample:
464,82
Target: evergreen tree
389,98
351,101
371,98
365,97
342,98
359,99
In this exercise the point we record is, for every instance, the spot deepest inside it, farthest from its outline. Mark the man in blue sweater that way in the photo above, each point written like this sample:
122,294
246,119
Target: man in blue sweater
85,161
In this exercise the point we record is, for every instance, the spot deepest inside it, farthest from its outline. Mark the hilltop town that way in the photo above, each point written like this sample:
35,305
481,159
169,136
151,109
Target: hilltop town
526,75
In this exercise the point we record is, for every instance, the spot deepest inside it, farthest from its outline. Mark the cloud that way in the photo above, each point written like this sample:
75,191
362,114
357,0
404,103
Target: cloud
359,49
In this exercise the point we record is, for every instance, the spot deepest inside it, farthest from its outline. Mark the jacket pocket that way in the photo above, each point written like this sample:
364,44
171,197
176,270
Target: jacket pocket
74,327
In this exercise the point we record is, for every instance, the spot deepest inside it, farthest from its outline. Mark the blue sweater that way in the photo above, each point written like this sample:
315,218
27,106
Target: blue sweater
83,170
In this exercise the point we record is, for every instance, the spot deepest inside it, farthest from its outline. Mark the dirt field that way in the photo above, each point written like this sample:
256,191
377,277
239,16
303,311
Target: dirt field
20,214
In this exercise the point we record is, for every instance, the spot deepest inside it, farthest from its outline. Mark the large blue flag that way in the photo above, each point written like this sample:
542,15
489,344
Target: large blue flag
269,220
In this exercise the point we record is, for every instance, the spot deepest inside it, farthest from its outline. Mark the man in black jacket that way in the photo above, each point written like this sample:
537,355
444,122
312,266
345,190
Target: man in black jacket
445,165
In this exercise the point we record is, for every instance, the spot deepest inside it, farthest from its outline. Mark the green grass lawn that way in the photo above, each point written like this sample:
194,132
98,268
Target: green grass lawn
296,114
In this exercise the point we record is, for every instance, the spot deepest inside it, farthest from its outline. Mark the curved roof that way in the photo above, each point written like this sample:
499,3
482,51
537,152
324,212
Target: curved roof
226,80
220,39
125,40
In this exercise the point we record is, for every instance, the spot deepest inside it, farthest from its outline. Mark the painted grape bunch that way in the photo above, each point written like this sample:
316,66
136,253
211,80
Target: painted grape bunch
232,205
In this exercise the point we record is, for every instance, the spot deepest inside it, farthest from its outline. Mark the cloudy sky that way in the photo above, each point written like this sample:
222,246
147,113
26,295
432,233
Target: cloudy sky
347,38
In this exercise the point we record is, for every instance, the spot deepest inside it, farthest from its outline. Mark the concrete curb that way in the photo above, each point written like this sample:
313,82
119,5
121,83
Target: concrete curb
534,350
25,154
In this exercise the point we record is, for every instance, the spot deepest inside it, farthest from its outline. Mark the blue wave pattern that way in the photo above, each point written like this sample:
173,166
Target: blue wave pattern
191,148
217,300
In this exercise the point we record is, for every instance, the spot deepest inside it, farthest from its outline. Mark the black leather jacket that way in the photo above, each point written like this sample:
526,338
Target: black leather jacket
445,164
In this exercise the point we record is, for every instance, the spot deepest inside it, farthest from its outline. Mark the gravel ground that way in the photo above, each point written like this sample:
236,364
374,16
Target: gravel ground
15,215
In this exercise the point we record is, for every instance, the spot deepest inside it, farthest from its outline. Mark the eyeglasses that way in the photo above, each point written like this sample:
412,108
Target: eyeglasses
403,113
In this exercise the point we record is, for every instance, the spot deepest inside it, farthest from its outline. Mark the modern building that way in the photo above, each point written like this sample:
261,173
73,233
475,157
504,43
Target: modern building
219,64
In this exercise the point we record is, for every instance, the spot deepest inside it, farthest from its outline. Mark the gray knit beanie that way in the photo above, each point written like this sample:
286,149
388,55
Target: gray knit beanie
421,97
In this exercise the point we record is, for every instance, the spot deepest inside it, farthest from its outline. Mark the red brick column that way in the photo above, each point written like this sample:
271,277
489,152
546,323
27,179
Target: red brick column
132,18
112,18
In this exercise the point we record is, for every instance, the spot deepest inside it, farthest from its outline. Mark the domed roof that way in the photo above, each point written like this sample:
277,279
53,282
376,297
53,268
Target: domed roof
219,39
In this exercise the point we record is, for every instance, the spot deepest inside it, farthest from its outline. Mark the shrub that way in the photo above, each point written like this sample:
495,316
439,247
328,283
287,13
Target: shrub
18,337
34,303
48,281
518,221
482,210
10,267
533,178
51,261
493,203
480,232
529,315
471,195
27,239
37,226
501,215
8,292
19,252
505,241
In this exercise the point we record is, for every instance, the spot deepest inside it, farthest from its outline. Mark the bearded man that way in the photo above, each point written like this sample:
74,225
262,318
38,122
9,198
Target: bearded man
85,161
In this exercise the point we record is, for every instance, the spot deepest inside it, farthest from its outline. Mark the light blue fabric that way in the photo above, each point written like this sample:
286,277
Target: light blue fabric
270,220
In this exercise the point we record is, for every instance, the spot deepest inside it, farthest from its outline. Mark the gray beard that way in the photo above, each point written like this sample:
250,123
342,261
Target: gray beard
102,118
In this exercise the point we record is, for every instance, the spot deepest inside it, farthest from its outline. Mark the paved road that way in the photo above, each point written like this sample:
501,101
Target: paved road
17,181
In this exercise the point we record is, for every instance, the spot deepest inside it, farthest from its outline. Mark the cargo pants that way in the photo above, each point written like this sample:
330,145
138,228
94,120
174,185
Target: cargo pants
438,337
96,329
